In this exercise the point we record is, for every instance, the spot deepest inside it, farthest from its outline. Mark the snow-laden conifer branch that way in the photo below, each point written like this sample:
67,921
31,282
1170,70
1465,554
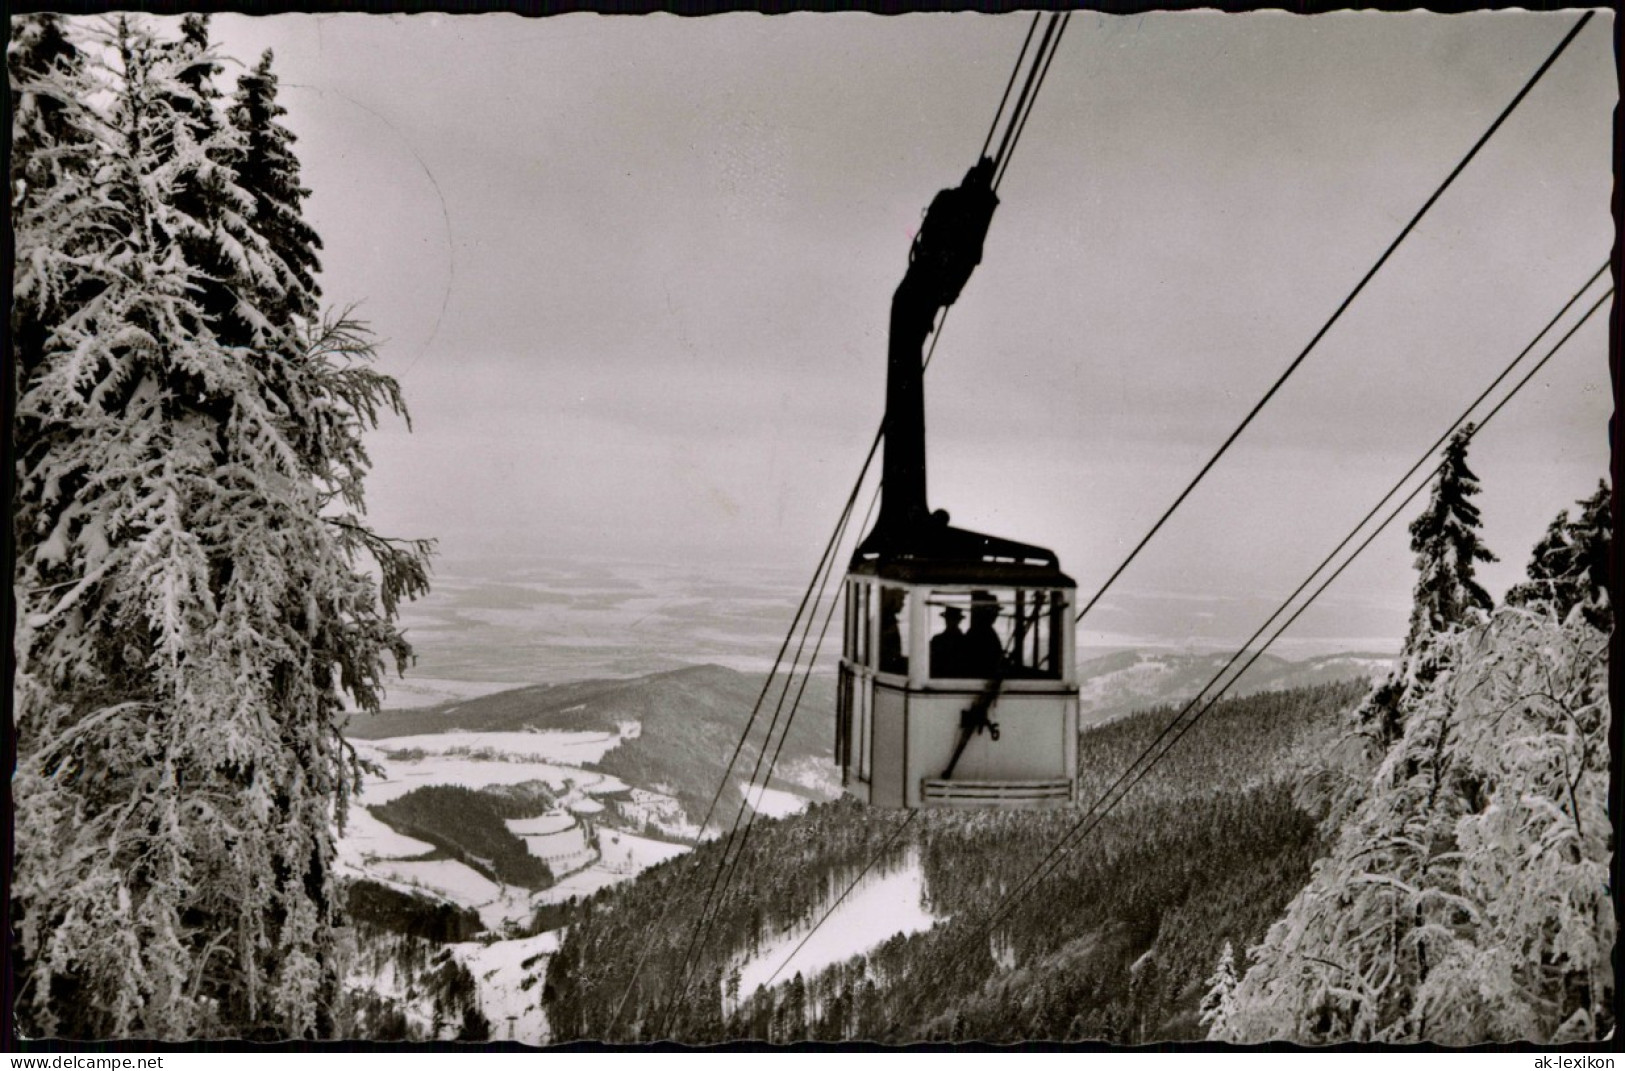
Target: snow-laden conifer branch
190,624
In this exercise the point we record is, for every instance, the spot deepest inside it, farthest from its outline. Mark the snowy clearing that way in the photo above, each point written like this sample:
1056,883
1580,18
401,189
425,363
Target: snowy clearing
582,883
628,854
403,775
552,822
455,881
499,970
365,837
776,803
563,845
879,907
515,905
496,904
622,856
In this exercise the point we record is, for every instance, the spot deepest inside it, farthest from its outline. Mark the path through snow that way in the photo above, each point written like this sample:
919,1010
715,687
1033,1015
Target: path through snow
880,906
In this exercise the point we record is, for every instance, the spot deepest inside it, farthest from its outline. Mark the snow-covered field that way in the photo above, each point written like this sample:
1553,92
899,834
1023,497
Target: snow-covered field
776,803
455,881
403,775
880,906
366,837
622,856
553,822
583,882
565,848
368,847
627,854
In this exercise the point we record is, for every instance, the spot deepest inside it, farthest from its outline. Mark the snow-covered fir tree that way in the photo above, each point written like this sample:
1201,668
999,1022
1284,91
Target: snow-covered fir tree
1219,1002
53,151
1466,897
1569,566
1445,539
1446,542
268,170
196,588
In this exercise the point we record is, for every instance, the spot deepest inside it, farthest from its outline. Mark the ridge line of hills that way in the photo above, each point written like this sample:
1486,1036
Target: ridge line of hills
1110,686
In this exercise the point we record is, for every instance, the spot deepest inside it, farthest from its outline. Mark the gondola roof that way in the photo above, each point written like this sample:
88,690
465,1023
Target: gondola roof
938,553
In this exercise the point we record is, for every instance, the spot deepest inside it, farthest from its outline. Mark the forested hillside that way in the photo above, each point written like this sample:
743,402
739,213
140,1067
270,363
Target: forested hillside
1465,897
413,988
1117,944
1113,685
689,721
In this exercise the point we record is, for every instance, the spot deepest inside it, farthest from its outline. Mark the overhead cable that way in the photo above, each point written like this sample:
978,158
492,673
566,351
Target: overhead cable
1085,825
1369,275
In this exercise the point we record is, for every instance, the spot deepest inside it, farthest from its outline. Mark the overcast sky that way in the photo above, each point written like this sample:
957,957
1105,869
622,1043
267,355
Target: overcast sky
634,275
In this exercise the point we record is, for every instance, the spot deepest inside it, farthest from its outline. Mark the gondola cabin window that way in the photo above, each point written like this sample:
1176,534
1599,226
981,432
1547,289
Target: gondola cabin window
1009,634
877,627
894,612
864,626
957,693
854,718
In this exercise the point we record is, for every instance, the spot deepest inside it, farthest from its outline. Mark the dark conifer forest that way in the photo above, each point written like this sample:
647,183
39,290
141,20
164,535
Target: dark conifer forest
467,825
1116,945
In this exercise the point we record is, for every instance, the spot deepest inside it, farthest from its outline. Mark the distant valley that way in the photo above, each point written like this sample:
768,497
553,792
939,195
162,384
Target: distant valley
503,807
567,727
574,787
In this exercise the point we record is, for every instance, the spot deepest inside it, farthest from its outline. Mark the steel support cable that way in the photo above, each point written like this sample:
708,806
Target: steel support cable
873,859
1398,485
819,581
778,659
827,557
1353,532
835,537
1055,47
686,982
1288,623
733,848
1026,89
1007,141
856,487
1084,825
1369,275
806,676
1012,127
1014,71
795,705
735,844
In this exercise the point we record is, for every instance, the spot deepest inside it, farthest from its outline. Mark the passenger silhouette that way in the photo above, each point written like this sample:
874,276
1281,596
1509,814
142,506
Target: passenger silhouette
984,650
892,657
948,646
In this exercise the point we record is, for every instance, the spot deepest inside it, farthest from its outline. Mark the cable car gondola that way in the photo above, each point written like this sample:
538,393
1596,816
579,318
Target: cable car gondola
958,682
